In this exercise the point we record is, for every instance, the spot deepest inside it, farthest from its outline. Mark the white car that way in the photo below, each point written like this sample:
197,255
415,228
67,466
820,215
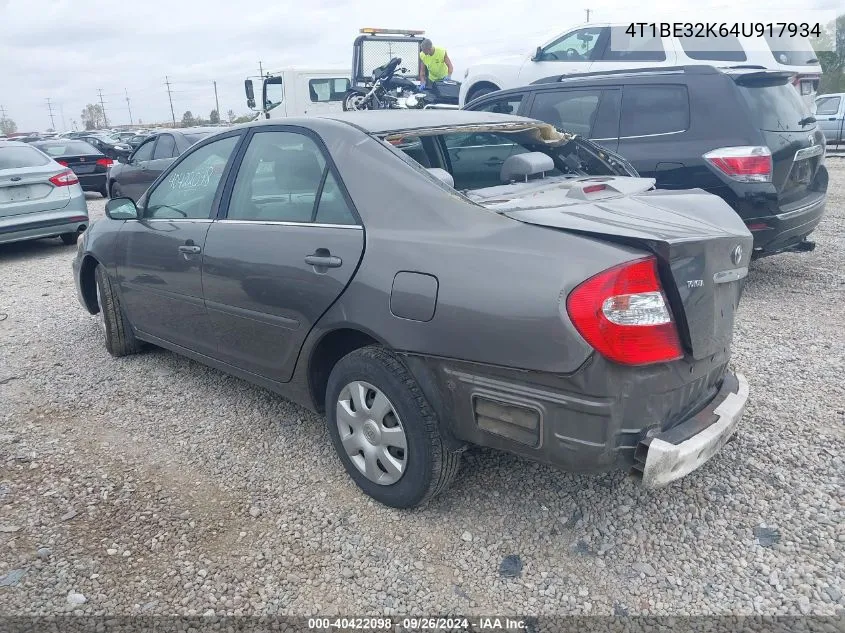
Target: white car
586,48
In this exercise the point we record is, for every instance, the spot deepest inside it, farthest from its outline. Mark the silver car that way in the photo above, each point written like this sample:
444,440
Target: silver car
38,196
830,115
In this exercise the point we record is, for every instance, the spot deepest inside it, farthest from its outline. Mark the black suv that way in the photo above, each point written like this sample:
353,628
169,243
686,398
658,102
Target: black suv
741,133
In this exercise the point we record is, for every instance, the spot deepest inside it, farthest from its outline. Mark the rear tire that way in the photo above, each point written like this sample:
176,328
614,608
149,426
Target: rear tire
104,191
120,340
427,466
115,191
69,239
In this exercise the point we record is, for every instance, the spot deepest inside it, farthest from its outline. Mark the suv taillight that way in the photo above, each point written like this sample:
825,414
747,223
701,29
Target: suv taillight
623,314
745,164
65,179
105,162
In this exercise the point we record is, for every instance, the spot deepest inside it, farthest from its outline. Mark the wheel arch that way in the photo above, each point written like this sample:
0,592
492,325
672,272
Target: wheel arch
479,85
327,351
88,283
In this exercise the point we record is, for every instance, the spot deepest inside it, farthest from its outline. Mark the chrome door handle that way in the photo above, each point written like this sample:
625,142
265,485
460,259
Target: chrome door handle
190,250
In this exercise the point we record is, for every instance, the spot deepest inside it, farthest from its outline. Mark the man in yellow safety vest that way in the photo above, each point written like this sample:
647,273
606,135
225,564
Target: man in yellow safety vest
435,64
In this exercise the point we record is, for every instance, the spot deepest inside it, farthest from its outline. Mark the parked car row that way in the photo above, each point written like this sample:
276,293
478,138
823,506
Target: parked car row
39,196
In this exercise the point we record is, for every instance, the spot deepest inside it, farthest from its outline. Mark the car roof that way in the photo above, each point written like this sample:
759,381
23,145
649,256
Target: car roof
382,121
7,142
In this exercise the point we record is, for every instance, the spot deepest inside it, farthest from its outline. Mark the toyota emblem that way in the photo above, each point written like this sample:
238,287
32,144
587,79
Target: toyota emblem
736,255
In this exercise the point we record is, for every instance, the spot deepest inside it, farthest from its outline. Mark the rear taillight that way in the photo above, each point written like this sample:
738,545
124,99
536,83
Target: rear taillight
745,164
105,162
63,163
623,314
65,179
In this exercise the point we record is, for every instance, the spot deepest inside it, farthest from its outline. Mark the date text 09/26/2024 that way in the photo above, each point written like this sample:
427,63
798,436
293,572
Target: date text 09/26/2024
416,624
724,29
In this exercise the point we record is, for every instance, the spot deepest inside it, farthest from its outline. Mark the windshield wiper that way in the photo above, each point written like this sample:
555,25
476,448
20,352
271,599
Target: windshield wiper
807,120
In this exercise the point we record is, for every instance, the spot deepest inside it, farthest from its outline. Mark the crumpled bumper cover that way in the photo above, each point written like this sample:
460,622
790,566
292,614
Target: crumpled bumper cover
670,455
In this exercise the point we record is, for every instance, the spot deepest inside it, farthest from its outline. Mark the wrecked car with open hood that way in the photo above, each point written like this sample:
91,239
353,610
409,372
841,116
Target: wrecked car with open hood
436,279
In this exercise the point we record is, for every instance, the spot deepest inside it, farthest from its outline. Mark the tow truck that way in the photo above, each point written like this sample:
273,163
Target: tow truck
297,92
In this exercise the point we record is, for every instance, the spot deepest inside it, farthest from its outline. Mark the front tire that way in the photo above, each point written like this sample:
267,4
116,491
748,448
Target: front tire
69,239
120,340
480,91
384,430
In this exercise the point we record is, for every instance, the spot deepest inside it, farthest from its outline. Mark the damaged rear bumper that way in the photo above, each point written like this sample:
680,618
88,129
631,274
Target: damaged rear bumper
667,456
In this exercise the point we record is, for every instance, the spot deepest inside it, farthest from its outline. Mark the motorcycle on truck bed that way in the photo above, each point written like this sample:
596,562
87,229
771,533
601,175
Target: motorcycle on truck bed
381,81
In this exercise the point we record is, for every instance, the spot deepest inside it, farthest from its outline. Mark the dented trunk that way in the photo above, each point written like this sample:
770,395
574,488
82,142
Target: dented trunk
702,245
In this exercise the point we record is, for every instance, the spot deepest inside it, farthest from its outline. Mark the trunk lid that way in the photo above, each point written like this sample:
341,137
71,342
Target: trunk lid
702,245
784,121
29,190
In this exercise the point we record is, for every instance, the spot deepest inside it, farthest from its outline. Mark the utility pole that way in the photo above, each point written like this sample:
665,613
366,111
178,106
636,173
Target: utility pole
103,106
2,112
170,96
588,14
62,110
129,107
216,102
52,119
260,71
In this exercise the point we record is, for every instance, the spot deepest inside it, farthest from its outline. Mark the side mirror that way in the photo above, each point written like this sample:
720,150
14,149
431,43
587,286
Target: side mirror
538,55
121,209
250,93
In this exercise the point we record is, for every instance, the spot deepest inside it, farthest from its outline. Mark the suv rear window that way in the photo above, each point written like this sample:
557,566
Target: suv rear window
775,108
18,157
654,110
723,49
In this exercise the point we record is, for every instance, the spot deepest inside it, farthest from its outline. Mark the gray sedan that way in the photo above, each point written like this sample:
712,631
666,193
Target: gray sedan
436,279
38,196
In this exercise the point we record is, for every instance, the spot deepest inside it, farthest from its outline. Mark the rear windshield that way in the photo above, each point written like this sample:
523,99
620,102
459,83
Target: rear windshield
792,51
67,148
17,157
775,108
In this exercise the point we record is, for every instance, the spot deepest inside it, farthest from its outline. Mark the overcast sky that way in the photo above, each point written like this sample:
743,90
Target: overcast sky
67,50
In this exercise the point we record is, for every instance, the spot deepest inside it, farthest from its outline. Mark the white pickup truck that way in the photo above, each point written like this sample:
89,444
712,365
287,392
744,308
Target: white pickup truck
298,92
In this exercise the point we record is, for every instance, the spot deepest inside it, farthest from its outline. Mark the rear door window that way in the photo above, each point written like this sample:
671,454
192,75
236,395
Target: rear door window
828,105
20,157
648,110
775,108
506,105
165,148
723,49
328,89
624,47
571,111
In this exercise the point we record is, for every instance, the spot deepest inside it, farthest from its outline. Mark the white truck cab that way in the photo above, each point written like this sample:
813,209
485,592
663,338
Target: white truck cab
587,48
298,92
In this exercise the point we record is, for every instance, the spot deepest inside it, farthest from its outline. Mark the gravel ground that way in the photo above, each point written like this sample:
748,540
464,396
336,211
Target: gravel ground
154,485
